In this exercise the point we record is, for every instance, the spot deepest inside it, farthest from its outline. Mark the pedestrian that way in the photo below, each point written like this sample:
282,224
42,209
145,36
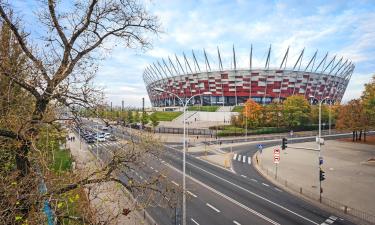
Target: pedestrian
197,136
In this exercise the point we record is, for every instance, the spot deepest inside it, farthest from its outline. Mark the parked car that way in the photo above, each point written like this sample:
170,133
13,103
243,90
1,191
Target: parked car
90,140
100,138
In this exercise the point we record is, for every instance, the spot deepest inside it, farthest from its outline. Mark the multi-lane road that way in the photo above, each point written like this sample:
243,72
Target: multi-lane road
220,196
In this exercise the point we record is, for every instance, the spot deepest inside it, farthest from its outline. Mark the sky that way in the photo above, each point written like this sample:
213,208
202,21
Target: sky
342,28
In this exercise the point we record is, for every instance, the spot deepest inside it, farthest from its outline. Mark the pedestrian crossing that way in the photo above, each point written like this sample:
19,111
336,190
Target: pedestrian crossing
242,158
106,144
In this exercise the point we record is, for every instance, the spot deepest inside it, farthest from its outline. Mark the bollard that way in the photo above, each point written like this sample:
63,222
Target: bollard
346,209
300,190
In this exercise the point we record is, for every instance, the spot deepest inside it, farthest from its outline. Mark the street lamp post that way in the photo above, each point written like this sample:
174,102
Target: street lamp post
319,142
184,148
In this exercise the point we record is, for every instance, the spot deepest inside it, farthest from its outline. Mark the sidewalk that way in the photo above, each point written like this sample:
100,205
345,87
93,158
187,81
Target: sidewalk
107,199
350,178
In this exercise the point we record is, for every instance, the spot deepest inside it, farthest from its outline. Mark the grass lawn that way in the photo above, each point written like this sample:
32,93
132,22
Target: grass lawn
206,108
167,116
62,160
237,109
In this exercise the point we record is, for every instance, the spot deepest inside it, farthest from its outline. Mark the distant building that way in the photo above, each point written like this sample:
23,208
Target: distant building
187,77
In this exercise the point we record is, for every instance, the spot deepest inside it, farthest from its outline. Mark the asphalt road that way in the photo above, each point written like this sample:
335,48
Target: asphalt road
225,197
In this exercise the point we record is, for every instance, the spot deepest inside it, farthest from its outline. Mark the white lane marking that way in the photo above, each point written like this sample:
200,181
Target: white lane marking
244,159
278,189
256,195
151,167
143,163
190,193
249,160
329,221
235,156
194,221
228,198
141,177
173,182
244,189
235,222
243,175
212,207
157,171
253,180
265,184
239,158
163,176
333,217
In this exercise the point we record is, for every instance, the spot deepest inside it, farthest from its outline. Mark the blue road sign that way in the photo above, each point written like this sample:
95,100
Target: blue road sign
260,146
320,160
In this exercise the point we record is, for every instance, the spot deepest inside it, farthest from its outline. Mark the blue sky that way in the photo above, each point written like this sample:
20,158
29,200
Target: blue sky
345,28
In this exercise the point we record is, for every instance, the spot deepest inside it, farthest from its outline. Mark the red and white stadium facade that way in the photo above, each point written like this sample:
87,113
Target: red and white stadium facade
316,79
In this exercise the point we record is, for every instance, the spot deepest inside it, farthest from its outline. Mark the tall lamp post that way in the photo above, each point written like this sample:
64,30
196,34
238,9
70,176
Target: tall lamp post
319,140
184,148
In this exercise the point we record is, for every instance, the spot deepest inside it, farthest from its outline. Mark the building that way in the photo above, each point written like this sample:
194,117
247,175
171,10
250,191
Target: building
313,78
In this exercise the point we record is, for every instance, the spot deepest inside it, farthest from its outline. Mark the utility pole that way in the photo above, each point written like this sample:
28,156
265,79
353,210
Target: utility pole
122,105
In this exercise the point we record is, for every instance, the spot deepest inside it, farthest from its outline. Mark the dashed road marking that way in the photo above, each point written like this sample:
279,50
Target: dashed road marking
235,222
265,184
235,156
244,159
190,193
253,180
243,175
212,207
194,221
173,182
157,171
249,160
278,189
151,167
239,158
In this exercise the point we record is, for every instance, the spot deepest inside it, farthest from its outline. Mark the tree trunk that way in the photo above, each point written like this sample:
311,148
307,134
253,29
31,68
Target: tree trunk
364,135
22,161
360,135
353,135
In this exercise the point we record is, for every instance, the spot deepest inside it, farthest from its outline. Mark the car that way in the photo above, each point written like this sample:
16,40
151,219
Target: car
106,134
100,138
90,141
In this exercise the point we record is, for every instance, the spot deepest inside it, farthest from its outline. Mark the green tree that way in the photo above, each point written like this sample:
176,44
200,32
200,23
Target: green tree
144,118
130,118
368,101
296,111
136,117
154,120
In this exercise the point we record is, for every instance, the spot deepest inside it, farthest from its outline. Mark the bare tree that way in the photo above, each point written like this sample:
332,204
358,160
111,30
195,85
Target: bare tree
57,69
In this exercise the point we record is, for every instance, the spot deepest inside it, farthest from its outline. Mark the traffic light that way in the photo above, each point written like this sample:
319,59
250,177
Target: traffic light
284,143
321,175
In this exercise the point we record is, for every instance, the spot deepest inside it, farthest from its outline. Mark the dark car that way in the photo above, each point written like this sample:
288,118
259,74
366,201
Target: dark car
90,140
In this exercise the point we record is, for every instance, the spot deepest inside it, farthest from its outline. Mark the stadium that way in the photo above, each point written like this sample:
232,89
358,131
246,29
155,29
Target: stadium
315,78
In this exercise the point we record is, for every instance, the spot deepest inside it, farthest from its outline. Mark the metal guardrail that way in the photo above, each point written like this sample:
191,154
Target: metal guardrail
344,208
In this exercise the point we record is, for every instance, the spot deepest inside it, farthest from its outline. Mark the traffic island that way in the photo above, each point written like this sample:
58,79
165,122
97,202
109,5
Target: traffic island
348,182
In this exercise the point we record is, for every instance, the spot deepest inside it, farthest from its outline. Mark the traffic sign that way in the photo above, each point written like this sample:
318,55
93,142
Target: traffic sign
320,160
276,155
260,147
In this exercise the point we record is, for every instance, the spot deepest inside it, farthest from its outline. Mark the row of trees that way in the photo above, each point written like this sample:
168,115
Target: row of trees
358,115
294,112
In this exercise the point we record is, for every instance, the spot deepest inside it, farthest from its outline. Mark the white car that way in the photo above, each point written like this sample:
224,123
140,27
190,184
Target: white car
100,138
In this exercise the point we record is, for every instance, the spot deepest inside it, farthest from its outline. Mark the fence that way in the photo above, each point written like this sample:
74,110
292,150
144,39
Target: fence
190,131
326,201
